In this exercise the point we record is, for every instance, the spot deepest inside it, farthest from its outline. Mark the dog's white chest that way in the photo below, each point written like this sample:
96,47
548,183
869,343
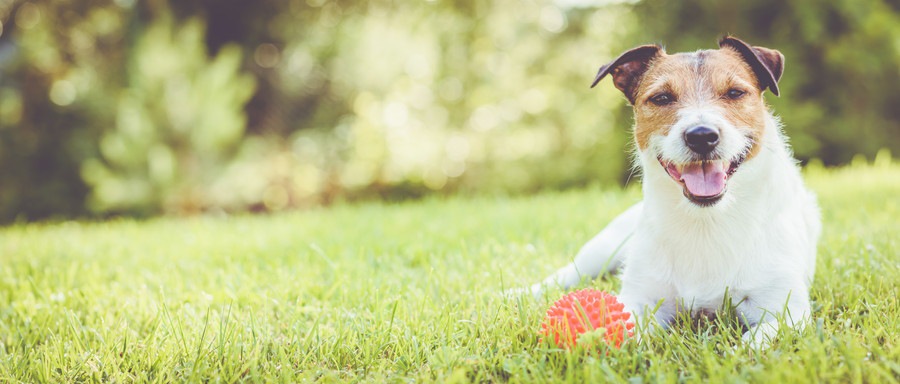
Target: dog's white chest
698,267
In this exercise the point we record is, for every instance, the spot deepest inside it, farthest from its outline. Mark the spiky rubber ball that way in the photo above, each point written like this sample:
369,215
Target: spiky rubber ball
587,311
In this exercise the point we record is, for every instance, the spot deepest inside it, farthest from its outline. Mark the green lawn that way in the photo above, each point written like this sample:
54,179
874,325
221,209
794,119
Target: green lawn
410,292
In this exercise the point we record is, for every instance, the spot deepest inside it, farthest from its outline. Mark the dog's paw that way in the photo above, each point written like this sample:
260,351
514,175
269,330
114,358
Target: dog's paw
536,291
761,336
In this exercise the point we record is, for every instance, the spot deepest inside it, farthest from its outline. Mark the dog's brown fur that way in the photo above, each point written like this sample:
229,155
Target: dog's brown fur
686,77
647,71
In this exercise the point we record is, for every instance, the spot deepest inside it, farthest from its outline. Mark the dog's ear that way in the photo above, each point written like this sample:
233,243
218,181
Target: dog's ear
628,68
767,64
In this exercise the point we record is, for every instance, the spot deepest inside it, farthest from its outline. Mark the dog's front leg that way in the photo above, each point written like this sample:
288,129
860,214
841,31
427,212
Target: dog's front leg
602,254
650,303
765,315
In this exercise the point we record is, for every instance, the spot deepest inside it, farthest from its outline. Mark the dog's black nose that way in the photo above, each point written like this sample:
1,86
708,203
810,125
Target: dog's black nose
701,139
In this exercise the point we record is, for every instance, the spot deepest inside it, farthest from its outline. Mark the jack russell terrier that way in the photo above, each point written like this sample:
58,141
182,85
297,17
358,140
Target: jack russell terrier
725,211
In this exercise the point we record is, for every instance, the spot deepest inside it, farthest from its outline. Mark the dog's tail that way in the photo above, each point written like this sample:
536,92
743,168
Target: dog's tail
602,254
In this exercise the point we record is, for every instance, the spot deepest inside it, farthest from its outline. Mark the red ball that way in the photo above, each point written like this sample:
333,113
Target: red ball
584,311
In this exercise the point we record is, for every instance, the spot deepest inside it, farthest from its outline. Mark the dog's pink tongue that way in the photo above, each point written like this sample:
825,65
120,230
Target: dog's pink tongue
704,180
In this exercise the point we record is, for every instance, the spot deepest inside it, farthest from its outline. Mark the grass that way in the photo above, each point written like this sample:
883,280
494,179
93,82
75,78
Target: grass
410,292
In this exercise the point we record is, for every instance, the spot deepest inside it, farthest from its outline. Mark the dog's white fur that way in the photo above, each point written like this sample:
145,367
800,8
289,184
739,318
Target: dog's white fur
758,243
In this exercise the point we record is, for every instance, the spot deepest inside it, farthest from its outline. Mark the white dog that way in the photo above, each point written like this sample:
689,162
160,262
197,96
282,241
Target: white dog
725,208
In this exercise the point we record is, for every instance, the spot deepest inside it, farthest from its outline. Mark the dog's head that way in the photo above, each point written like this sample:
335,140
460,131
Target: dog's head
699,114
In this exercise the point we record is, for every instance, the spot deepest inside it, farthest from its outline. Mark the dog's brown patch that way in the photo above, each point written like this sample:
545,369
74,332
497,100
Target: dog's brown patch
699,78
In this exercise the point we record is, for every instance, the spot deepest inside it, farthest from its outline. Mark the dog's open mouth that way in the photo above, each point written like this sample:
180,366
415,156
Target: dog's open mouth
703,182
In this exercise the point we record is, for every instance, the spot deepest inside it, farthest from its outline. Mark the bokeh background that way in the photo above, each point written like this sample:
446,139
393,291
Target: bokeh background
130,107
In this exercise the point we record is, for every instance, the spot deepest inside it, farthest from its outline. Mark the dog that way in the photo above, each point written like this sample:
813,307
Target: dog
725,213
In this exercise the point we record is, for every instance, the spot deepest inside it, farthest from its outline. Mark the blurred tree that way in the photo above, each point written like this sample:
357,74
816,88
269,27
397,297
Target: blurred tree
179,120
449,96
140,107
57,66
37,145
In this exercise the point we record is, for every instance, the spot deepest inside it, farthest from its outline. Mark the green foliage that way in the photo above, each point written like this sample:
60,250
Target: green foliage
429,97
44,133
411,292
170,106
179,120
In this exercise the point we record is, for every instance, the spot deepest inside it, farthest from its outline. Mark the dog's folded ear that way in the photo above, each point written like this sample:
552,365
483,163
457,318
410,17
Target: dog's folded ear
627,69
767,64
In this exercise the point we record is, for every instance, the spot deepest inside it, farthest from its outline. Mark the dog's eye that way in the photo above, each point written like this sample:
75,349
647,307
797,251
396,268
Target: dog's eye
663,99
735,94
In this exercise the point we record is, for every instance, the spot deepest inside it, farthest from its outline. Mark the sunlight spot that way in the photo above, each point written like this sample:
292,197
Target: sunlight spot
62,92
533,101
451,89
358,174
307,181
267,55
125,3
420,96
434,180
395,114
417,66
484,118
28,16
457,148
10,106
275,198
552,19
453,168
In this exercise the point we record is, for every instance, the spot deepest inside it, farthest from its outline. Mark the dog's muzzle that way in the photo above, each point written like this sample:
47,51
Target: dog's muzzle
703,182
701,139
